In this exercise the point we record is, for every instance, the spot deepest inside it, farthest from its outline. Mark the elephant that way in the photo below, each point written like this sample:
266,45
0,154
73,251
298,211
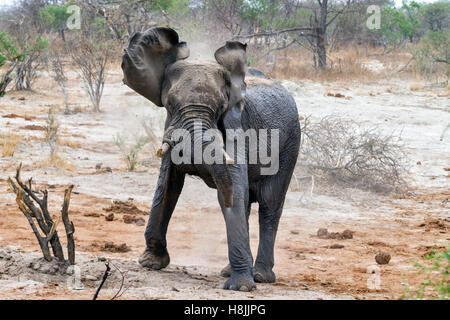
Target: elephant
222,96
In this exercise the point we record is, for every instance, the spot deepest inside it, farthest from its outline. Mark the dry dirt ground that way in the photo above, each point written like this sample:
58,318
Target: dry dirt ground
307,266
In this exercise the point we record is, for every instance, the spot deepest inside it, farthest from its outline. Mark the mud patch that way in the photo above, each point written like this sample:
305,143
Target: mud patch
110,247
439,224
33,127
14,116
125,207
324,234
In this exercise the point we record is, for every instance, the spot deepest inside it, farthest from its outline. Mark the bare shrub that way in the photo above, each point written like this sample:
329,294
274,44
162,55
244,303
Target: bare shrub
51,131
343,152
91,58
55,160
56,59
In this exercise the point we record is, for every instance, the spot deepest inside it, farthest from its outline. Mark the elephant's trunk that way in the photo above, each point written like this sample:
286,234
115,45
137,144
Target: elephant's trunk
196,120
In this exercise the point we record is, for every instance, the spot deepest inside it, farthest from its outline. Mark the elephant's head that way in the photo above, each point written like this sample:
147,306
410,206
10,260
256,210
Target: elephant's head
154,66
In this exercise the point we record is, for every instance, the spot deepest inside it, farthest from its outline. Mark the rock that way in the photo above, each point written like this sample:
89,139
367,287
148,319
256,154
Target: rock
108,169
98,166
322,233
347,234
383,257
128,219
109,217
139,222
336,246
90,278
333,235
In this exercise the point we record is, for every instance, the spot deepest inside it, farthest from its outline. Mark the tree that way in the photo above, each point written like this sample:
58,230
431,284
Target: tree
288,20
29,61
8,55
437,15
55,17
400,25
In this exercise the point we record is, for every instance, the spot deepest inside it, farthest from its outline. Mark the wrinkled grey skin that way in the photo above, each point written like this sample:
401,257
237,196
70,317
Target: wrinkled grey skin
216,94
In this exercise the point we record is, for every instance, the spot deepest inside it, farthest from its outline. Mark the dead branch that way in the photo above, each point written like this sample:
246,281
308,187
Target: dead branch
26,198
5,79
406,65
68,225
121,290
273,33
105,276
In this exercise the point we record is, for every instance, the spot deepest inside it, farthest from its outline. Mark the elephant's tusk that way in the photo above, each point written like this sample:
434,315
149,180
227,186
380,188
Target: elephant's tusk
228,159
163,149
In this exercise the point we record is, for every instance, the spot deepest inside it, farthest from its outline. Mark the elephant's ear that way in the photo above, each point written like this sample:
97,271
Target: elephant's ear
233,58
146,58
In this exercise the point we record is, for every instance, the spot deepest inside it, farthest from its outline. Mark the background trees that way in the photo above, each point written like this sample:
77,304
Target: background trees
272,28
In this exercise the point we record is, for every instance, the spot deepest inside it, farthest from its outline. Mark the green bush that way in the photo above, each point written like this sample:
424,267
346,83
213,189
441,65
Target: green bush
436,284
54,16
398,25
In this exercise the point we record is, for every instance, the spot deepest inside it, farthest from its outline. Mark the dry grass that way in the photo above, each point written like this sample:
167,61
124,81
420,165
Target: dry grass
56,162
348,64
9,142
68,143
344,64
415,86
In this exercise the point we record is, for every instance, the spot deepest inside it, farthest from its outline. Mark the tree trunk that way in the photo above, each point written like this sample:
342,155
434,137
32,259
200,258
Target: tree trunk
321,51
321,32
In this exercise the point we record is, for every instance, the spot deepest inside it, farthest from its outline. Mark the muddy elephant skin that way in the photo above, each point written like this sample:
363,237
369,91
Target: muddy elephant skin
220,95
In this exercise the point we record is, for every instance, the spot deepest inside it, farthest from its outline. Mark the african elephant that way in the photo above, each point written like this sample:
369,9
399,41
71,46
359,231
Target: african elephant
218,96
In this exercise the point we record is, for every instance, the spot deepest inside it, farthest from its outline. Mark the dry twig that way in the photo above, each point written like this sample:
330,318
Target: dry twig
345,152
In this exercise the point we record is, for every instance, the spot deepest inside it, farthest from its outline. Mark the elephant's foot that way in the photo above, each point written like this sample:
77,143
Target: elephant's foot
152,261
263,275
240,282
226,272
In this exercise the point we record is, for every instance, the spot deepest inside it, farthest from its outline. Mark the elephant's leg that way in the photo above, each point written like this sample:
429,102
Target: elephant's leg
170,184
268,225
239,253
271,198
226,271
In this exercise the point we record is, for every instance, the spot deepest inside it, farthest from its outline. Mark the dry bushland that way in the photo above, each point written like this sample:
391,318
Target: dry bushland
345,153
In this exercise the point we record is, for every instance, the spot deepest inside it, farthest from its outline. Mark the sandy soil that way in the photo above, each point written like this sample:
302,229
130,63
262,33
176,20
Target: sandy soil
307,266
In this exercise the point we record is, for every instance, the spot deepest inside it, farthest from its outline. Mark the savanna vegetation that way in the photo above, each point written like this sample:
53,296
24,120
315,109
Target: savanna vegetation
297,39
